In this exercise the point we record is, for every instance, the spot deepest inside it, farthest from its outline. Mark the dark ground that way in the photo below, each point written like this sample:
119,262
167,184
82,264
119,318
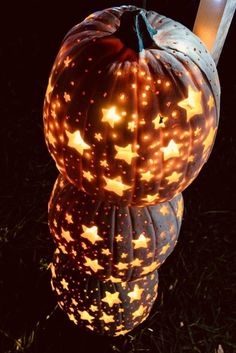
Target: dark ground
194,312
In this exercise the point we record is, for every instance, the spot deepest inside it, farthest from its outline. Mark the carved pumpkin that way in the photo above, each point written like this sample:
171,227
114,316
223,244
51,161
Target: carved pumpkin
110,242
104,307
132,106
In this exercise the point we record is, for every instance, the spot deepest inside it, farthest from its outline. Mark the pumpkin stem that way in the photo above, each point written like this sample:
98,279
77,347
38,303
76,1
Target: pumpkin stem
135,31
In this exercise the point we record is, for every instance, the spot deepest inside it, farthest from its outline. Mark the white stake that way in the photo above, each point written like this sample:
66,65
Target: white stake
212,24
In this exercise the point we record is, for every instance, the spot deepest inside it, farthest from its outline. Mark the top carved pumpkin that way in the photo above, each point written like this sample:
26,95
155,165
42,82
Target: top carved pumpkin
132,106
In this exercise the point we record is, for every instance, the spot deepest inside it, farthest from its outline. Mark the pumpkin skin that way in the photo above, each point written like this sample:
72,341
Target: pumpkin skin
110,242
104,307
131,127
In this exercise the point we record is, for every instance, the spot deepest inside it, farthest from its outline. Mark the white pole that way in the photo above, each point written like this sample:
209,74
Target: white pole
212,24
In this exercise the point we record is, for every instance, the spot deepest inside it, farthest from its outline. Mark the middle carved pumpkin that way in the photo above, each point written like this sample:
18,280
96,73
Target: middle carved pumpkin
111,242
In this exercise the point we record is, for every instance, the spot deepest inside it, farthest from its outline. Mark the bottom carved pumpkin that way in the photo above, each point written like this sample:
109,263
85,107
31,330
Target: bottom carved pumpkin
107,308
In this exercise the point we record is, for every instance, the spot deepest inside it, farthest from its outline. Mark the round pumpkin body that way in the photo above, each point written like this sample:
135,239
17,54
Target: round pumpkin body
111,242
132,125
104,307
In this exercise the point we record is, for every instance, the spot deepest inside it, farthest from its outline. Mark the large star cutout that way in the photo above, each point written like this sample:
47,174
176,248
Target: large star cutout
173,178
93,264
110,116
115,185
209,140
66,235
125,153
192,104
141,242
91,233
139,311
171,150
107,318
135,294
84,315
76,141
111,298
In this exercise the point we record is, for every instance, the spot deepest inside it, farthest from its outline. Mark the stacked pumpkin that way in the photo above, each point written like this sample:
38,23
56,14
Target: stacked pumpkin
130,117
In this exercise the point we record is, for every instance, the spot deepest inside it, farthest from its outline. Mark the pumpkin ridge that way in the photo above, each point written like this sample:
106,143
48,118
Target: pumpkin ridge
130,270
156,235
175,214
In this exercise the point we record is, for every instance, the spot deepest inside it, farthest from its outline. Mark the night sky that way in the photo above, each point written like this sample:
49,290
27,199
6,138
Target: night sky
193,312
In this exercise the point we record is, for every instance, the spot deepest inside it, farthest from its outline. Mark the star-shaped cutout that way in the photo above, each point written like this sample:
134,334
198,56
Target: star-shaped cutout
98,136
107,318
211,102
139,311
66,235
67,97
141,242
91,233
122,266
87,175
164,210
151,198
122,332
132,126
106,252
208,142
103,163
51,139
69,218
136,262
74,302
135,294
116,185
93,264
111,298
125,153
119,237
93,308
110,116
164,249
64,284
171,150
84,315
197,131
173,178
114,279
147,176
67,61
159,121
76,141
192,104
180,209
72,318
150,268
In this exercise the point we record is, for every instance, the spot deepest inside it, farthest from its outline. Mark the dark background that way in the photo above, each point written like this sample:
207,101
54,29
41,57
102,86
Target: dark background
194,310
